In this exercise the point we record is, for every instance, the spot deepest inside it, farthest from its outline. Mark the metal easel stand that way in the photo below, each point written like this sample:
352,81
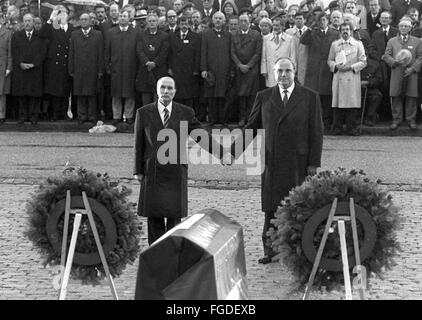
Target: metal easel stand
343,246
66,264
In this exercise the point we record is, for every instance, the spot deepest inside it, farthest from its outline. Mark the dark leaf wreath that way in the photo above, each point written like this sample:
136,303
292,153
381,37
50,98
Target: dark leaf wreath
99,187
318,191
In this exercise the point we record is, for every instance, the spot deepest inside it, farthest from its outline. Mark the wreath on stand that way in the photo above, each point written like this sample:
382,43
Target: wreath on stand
115,217
299,210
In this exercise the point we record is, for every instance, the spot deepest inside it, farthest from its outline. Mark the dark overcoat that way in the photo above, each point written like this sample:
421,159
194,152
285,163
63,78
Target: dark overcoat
247,49
293,140
57,81
184,61
120,61
151,47
28,82
318,76
216,58
86,61
164,187
5,59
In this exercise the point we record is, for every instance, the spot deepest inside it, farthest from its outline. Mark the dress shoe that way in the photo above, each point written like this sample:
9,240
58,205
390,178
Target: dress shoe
21,122
115,122
393,126
129,121
353,132
369,123
413,125
336,132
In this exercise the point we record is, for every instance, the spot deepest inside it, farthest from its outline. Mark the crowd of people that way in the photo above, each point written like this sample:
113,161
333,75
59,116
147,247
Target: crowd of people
103,61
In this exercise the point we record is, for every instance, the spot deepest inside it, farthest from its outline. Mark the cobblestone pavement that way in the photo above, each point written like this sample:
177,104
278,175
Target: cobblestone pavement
22,275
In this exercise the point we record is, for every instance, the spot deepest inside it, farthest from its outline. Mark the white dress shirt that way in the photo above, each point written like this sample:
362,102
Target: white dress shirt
64,27
123,29
289,91
161,110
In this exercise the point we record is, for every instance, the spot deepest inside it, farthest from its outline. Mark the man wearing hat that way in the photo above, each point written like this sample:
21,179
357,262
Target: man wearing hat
332,6
140,18
404,75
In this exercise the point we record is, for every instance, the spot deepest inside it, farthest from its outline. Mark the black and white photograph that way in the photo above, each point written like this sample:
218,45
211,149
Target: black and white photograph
214,153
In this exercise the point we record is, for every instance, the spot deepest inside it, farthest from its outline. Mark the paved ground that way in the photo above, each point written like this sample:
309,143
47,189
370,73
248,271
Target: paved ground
23,277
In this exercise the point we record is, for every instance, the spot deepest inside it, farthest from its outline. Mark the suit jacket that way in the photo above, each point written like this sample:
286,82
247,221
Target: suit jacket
164,187
399,8
380,41
371,24
301,54
5,59
293,140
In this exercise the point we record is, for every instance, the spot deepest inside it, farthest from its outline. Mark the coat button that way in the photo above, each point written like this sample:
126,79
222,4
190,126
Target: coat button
65,56
58,54
57,62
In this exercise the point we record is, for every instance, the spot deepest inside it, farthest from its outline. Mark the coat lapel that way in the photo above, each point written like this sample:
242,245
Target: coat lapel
291,103
156,119
174,121
276,100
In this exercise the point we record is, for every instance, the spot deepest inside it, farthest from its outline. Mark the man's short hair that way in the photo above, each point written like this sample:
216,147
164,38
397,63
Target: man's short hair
386,11
406,19
346,24
183,19
299,14
285,58
267,21
165,78
99,6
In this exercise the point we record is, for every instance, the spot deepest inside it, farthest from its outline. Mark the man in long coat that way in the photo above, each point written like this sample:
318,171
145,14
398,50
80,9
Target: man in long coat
246,53
216,66
5,66
86,66
164,189
346,59
120,63
291,117
318,77
152,52
184,62
404,76
28,54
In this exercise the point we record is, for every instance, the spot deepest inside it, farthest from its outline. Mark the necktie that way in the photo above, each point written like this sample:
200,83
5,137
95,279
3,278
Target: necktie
404,38
300,32
285,98
28,35
166,117
277,40
183,36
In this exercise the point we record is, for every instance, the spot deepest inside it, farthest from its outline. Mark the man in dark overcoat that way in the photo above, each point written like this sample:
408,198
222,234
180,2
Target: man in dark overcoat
57,82
121,64
152,52
291,117
184,60
28,54
216,63
318,77
246,49
163,185
86,66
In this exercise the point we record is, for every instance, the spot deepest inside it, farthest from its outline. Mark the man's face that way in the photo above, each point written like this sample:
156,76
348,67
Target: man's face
218,20
37,24
291,16
114,12
93,19
23,10
244,22
336,18
207,4
101,14
385,19
184,26
270,4
85,21
28,22
152,22
171,18
71,11
196,18
284,73
350,8
277,27
124,18
204,27
414,15
178,5
228,9
265,28
263,14
162,11
299,21
311,6
323,23
233,25
166,91
63,17
345,32
374,7
405,27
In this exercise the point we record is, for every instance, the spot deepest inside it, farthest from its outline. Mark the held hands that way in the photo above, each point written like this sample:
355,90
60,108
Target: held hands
204,74
408,72
7,72
26,66
243,68
150,65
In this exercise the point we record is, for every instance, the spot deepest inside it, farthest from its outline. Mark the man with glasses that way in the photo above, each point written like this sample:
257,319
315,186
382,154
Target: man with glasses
171,21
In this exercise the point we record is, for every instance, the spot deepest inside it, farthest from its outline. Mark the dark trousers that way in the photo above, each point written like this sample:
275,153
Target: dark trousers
157,227
200,109
57,106
148,97
29,108
345,116
186,102
327,111
245,106
268,251
104,98
216,112
409,108
373,101
87,108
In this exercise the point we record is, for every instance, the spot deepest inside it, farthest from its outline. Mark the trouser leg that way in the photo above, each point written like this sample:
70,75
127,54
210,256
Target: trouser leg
2,106
82,108
34,108
129,107
397,109
23,108
172,222
327,111
117,108
92,108
156,228
410,109
350,115
147,97
213,109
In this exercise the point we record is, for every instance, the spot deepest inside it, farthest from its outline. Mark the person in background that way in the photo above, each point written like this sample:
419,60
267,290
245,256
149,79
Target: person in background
301,50
373,17
233,25
265,25
5,66
336,19
171,21
196,21
371,80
